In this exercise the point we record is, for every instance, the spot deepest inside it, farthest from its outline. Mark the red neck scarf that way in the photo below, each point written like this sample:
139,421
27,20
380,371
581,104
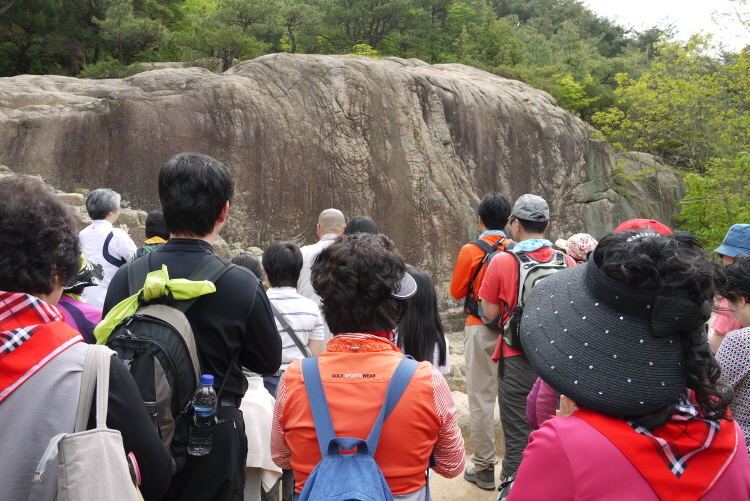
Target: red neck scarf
31,334
681,459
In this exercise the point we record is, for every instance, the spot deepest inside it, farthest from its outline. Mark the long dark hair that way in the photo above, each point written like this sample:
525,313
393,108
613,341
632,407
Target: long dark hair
420,328
673,262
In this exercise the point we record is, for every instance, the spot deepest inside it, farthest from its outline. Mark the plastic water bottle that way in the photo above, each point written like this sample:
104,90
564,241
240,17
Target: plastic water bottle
200,438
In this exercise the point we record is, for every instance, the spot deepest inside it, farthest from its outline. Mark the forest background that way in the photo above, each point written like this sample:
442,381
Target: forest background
687,102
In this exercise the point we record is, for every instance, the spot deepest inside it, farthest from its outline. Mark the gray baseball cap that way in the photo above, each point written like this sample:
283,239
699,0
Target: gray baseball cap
531,208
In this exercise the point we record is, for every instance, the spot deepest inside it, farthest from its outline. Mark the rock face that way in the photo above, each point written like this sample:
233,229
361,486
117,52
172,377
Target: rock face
411,145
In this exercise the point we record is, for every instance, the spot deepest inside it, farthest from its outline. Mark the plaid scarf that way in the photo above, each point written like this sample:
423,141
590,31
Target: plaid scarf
32,333
681,459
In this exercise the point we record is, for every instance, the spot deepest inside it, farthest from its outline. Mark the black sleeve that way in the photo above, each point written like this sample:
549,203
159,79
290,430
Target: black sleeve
127,414
261,343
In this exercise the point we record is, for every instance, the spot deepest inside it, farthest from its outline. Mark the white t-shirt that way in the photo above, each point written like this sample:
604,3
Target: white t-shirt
121,247
302,315
304,285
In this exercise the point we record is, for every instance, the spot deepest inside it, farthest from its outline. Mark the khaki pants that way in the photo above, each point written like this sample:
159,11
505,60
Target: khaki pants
481,387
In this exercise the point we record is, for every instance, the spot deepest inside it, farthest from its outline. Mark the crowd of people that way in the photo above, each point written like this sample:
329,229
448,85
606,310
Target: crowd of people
620,366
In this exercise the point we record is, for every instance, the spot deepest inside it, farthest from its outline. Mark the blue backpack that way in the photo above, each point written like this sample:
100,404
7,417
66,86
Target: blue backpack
349,477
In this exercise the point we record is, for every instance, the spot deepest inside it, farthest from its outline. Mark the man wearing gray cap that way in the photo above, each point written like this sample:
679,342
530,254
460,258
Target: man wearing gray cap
509,278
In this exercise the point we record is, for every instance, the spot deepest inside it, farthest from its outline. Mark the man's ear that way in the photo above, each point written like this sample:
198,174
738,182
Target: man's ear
224,212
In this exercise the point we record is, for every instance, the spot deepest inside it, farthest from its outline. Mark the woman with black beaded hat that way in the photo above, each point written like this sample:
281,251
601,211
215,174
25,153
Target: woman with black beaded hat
623,336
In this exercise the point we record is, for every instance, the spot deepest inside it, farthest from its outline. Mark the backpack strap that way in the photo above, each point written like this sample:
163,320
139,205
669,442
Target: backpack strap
322,415
488,250
483,244
109,257
211,269
285,325
137,271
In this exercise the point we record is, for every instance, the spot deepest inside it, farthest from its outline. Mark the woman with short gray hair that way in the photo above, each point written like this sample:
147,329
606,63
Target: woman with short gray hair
101,202
102,244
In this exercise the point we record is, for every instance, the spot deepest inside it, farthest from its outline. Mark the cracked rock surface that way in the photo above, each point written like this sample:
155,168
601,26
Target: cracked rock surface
412,145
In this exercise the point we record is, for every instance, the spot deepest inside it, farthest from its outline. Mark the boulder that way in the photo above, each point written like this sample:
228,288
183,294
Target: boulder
411,145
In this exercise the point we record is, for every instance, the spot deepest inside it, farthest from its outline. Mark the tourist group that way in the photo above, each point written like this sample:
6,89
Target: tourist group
621,367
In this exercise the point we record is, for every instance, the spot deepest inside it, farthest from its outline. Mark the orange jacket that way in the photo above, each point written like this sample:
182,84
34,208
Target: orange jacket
466,264
355,383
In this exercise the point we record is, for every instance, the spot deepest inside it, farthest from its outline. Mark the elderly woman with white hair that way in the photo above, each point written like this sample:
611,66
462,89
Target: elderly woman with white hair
104,244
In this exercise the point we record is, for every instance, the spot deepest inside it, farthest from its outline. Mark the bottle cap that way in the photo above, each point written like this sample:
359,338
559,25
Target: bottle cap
207,379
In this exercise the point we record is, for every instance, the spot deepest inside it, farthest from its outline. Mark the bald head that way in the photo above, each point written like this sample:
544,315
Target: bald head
331,221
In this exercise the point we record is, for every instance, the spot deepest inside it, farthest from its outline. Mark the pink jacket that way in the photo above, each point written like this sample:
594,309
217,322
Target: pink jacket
581,464
541,404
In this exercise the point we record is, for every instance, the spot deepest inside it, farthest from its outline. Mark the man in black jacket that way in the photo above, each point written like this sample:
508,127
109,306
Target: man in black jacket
195,191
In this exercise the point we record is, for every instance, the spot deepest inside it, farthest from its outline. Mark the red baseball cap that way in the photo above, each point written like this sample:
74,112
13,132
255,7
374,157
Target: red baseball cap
640,224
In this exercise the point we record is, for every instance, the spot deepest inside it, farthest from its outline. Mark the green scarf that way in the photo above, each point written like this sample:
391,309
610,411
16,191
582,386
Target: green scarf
157,284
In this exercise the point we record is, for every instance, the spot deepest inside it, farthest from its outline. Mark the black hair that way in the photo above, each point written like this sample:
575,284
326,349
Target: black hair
361,224
99,203
193,189
40,239
249,261
282,262
738,280
354,277
673,262
421,329
155,225
494,209
534,227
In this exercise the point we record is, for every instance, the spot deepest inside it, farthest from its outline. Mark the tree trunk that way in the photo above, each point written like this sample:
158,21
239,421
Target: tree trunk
292,38
6,6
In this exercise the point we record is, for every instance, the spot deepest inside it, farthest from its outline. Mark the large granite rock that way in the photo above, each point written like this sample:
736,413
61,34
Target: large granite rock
411,145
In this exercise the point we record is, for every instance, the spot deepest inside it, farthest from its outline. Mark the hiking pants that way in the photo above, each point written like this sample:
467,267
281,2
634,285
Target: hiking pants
513,388
219,475
481,387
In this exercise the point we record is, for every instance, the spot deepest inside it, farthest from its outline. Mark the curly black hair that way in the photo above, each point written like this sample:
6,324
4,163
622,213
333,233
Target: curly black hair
40,239
673,262
354,277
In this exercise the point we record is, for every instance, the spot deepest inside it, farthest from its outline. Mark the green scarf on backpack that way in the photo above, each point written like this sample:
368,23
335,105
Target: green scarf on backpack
157,284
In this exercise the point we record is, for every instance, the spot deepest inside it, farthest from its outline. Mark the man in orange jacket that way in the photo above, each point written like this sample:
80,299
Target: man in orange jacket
480,341
364,287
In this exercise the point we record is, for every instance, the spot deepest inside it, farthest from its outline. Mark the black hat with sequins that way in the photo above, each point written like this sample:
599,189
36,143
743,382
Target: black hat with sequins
609,346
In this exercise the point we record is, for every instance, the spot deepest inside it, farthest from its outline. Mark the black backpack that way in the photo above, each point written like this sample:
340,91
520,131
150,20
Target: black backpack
530,272
157,346
471,305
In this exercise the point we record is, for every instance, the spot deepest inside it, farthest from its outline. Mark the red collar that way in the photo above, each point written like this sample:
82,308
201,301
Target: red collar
31,334
681,459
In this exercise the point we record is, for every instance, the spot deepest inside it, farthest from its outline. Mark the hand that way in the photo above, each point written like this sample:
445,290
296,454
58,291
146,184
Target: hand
567,406
124,227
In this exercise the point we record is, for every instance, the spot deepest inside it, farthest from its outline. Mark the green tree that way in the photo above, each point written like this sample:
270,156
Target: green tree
130,35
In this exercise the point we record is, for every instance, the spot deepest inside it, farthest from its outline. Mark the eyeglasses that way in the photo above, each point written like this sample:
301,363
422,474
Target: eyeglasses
512,220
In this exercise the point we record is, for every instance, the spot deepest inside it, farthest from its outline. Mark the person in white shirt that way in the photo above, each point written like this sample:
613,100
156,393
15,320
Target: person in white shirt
102,243
331,224
282,264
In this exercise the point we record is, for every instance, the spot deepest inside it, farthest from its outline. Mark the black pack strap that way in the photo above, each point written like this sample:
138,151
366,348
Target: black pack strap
211,269
285,325
137,271
109,257
226,374
483,244
488,250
